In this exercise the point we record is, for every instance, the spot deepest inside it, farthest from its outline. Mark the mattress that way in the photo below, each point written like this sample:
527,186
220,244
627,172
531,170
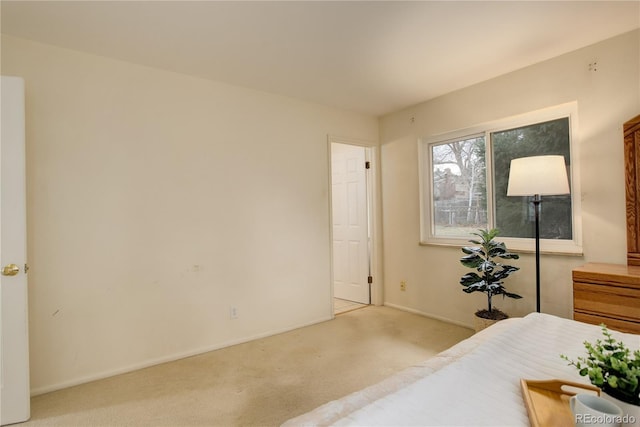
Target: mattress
474,383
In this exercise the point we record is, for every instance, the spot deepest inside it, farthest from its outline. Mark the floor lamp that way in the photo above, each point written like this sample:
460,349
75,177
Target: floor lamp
538,176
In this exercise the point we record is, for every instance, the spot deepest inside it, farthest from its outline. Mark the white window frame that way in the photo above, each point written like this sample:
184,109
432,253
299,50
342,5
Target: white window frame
555,246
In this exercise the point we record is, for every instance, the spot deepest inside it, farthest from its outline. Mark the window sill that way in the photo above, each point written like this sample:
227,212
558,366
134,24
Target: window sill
518,246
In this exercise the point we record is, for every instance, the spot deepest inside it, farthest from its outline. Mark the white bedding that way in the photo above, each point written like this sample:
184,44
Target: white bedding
474,383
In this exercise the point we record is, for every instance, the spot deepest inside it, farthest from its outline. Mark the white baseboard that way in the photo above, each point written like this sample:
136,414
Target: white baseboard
431,316
165,359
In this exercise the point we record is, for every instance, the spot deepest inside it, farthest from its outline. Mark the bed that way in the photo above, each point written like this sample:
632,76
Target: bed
474,383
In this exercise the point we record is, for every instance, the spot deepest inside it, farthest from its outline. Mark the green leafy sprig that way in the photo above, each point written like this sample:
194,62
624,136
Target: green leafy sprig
612,366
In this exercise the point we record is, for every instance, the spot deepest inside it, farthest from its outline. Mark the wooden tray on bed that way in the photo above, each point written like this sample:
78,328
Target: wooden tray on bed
547,402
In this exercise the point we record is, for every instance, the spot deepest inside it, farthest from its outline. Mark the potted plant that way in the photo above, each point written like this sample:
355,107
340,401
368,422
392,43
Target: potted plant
491,273
611,366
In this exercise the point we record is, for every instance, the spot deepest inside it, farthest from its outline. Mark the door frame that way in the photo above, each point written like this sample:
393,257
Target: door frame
374,209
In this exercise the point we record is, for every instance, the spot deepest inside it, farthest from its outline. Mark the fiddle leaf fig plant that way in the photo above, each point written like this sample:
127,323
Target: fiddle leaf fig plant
611,366
490,272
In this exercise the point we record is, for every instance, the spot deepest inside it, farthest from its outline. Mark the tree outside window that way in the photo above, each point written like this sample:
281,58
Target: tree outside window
459,186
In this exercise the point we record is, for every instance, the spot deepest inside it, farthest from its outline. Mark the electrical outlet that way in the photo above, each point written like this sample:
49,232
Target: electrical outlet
403,286
233,312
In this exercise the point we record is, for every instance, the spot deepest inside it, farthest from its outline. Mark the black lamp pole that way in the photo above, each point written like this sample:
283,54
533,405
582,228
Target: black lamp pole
536,207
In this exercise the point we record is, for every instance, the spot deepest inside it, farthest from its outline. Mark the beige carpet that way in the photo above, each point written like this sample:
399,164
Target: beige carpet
260,383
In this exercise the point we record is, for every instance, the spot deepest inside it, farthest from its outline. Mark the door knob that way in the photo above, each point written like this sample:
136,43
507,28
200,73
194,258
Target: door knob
10,270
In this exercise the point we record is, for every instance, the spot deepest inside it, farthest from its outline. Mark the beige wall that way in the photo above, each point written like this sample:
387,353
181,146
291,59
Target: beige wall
156,201
605,99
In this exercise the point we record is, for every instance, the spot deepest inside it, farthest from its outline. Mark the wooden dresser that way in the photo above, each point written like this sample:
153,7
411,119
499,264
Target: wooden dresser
632,188
609,294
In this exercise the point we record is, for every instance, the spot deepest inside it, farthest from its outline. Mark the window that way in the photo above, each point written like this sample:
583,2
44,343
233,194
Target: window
465,175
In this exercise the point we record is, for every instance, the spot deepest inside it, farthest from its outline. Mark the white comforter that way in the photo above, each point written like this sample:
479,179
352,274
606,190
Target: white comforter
474,383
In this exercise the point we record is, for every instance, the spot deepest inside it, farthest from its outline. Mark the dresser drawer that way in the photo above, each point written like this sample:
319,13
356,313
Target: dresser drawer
609,294
615,324
611,301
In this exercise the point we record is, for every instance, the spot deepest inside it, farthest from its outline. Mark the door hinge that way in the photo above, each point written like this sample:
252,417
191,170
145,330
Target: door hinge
367,165
370,279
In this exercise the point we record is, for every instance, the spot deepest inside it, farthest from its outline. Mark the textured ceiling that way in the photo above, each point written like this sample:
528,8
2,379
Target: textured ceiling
372,57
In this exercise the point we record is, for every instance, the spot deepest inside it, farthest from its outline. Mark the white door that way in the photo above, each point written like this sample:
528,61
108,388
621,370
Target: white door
350,223
14,341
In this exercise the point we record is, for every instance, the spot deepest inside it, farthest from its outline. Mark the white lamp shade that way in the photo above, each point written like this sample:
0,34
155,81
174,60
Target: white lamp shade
542,175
